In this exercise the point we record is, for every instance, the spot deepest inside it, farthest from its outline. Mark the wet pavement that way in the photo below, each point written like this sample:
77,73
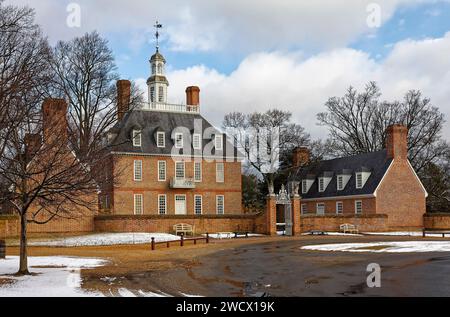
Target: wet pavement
281,268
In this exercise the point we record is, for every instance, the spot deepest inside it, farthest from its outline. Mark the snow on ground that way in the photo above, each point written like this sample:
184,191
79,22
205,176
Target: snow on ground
230,235
55,277
403,233
104,239
389,247
335,234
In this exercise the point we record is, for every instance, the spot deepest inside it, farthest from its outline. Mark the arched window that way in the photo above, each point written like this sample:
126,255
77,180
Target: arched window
160,69
153,69
161,94
152,94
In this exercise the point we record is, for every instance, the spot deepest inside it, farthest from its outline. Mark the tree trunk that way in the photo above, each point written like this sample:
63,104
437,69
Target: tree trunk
23,267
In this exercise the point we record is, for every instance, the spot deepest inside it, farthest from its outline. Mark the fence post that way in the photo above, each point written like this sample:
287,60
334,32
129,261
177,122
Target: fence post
153,244
168,244
182,240
207,237
2,249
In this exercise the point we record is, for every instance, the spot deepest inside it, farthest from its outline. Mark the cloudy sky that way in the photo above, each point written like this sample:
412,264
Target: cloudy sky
256,54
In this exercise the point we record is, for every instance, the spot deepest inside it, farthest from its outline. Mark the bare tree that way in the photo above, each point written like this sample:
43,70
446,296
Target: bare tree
357,123
265,138
85,74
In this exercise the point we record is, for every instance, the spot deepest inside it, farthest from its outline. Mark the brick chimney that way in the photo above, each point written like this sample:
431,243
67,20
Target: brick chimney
33,143
54,119
397,142
193,96
301,157
123,98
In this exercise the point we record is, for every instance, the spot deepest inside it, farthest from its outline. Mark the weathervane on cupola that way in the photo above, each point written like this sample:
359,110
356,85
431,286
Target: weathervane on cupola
157,27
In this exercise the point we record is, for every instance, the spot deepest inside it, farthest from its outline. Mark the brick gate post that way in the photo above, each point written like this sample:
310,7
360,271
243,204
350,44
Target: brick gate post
296,215
271,216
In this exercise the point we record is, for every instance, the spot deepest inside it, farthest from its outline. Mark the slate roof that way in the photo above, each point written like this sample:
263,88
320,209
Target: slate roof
377,163
151,122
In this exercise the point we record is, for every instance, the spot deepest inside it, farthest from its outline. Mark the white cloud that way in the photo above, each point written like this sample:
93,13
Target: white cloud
302,85
205,25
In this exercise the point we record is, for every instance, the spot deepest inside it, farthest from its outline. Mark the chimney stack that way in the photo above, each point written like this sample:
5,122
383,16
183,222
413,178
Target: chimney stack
123,98
397,142
301,157
54,119
33,143
193,96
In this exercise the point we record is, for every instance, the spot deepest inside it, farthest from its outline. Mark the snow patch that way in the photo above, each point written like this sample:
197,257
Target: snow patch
388,247
105,239
403,234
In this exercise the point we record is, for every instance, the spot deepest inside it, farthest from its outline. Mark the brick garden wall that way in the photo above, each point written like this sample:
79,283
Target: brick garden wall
437,221
9,226
370,223
203,224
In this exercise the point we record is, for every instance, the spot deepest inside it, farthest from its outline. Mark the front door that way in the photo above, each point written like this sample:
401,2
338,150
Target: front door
180,205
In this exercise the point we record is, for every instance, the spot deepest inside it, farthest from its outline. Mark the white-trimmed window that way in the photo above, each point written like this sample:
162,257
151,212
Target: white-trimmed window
220,204
220,172
179,140
198,204
358,207
180,170
152,94
162,204
304,209
198,172
161,139
339,208
138,204
137,138
162,171
218,142
304,186
321,184
137,171
161,94
321,209
340,182
359,180
197,141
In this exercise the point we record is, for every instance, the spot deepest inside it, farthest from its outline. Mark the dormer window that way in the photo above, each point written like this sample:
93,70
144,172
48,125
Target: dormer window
321,184
197,142
307,184
161,139
304,186
219,142
340,182
137,138
179,140
362,177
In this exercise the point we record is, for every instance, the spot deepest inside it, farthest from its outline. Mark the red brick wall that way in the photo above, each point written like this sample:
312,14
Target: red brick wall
9,226
368,223
155,223
401,197
125,186
369,206
437,221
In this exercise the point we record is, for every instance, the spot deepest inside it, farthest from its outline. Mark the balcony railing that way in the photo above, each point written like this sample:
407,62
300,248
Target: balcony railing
184,183
167,107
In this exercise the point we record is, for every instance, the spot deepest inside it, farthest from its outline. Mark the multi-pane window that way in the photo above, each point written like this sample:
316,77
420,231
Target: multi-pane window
219,142
162,204
162,171
138,204
137,171
340,183
160,69
304,186
339,208
358,207
197,142
161,94
304,209
220,173
198,204
179,170
198,171
220,204
179,140
152,94
105,202
137,138
321,209
359,180
153,69
321,185
161,139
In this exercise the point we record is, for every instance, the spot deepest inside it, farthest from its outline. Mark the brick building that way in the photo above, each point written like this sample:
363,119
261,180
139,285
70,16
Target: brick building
378,183
167,159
